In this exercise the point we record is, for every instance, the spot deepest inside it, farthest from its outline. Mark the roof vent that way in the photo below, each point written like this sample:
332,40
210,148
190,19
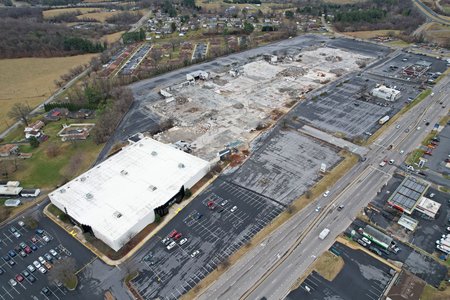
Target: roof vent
89,196
62,191
117,214
152,188
83,178
123,172
181,165
154,153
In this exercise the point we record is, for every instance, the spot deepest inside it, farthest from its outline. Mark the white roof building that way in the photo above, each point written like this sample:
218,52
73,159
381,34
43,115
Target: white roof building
385,93
118,197
428,207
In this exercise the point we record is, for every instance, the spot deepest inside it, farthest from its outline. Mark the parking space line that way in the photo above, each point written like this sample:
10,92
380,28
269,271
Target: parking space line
7,237
8,292
15,290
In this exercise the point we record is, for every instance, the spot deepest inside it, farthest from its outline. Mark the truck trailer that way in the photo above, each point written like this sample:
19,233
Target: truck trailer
383,120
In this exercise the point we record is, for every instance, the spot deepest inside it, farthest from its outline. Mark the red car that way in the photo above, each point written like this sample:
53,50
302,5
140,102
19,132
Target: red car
177,236
173,233
27,250
428,153
19,278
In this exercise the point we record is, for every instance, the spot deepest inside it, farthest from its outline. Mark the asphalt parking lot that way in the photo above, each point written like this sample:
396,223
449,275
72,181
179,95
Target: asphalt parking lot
200,51
135,60
346,109
403,60
212,236
286,165
368,276
421,265
436,162
13,263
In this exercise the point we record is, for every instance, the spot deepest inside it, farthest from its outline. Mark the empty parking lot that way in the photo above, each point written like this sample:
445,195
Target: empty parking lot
368,277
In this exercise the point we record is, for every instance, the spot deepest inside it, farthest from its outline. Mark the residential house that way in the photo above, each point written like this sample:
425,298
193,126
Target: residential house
34,129
9,150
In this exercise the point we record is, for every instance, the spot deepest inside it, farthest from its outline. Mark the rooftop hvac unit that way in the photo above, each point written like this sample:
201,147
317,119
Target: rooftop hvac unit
154,153
181,165
152,188
117,214
123,172
62,191
89,196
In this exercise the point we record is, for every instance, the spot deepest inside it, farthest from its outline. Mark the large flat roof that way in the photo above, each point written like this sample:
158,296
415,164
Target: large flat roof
408,194
118,193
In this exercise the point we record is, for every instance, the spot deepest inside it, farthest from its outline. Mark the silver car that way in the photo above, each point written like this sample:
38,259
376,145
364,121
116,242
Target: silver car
171,245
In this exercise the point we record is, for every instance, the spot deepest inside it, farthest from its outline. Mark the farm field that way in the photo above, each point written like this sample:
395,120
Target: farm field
54,12
31,80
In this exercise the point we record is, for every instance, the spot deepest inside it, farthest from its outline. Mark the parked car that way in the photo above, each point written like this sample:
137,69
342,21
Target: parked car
48,257
12,282
25,273
19,278
177,236
12,253
36,264
47,265
233,209
39,231
195,253
340,207
362,243
173,233
41,259
366,240
183,241
45,290
27,250
31,268
46,238
17,234
21,223
171,245
53,252
326,193
42,270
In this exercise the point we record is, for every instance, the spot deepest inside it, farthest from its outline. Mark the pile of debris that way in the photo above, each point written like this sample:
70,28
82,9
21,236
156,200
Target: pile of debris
293,71
333,58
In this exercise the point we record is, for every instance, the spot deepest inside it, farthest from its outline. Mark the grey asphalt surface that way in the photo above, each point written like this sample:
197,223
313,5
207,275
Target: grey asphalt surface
361,184
64,244
368,277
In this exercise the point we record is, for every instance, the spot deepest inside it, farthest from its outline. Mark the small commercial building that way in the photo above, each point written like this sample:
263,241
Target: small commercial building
428,207
30,193
118,198
386,93
377,237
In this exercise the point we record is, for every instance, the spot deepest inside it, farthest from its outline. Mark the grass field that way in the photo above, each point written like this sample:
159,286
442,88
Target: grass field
344,1
438,33
101,16
216,4
431,293
113,37
328,265
370,34
42,171
31,80
54,12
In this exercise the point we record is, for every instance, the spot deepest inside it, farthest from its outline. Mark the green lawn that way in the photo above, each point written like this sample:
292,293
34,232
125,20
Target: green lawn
44,171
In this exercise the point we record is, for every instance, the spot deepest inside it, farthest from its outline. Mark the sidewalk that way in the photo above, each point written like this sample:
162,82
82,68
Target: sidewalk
77,233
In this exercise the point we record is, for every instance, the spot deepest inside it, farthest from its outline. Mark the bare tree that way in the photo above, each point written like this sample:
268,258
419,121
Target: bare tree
52,150
19,112
63,270
156,54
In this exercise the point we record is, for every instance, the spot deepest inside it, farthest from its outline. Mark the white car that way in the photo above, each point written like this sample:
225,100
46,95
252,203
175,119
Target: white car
391,162
53,252
36,264
12,282
41,259
366,240
233,209
183,241
17,235
31,268
46,238
318,208
195,253
326,193
42,270
171,245
21,223
411,168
